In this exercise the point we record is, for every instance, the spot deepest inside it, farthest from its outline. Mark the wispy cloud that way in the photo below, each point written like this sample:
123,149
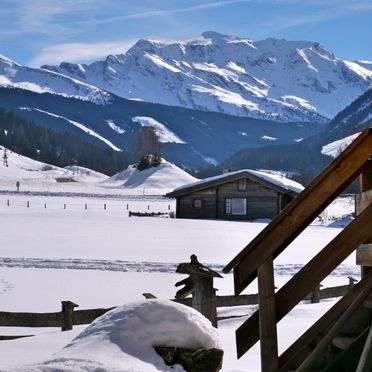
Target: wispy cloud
79,52
167,12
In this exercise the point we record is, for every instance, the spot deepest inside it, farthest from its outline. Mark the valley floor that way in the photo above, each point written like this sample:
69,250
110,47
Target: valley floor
99,257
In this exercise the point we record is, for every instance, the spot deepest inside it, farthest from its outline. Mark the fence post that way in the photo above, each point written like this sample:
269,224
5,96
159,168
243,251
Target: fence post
67,315
86,206
352,282
64,206
200,285
315,294
7,202
28,204
104,206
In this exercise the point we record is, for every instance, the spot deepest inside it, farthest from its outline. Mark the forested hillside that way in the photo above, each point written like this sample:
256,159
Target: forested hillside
61,149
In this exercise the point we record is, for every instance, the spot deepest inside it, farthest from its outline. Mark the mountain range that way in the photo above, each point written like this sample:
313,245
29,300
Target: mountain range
273,78
206,98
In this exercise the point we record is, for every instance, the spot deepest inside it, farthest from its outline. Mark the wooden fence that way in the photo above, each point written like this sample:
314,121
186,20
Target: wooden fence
69,316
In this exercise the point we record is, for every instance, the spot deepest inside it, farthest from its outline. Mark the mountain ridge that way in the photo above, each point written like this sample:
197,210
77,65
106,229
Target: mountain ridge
273,78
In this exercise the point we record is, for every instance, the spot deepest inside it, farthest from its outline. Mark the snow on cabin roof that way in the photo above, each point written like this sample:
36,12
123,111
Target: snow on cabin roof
275,181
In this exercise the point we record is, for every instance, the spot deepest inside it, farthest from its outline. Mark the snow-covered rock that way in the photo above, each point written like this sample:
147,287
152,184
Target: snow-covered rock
165,176
272,79
124,339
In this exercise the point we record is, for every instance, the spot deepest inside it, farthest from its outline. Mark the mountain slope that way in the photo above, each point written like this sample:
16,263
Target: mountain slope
306,158
38,80
273,79
188,137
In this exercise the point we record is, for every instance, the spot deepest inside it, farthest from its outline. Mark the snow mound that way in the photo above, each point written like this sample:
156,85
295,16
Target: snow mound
335,148
36,175
123,339
86,173
166,176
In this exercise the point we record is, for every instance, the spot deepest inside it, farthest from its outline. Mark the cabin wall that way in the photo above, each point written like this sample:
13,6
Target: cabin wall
261,202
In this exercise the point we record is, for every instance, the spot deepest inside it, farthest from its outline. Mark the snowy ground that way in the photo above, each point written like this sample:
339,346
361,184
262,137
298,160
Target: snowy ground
75,241
100,257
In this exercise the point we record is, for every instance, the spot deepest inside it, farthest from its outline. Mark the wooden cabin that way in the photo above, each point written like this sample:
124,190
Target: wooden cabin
240,195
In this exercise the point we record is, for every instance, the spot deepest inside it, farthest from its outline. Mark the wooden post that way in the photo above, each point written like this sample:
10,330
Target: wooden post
28,204
104,206
64,206
366,185
267,316
315,294
200,285
352,282
7,202
86,206
67,315
204,297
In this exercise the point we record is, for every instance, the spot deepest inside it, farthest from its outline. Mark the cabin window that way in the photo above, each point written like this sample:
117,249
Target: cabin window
197,203
236,206
242,185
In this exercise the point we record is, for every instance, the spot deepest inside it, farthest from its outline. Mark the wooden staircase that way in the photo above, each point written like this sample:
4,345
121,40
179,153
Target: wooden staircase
313,350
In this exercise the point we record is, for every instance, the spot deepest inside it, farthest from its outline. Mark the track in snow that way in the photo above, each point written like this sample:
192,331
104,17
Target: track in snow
143,266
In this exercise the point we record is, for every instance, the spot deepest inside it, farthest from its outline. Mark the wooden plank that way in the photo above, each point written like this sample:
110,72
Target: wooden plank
322,346
302,211
311,274
366,177
365,361
362,201
364,255
267,317
8,319
296,353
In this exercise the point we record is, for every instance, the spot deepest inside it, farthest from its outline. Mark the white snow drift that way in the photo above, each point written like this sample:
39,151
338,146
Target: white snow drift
124,339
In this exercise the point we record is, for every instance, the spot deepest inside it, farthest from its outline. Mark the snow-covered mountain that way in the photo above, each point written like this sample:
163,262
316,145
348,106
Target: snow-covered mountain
38,80
273,79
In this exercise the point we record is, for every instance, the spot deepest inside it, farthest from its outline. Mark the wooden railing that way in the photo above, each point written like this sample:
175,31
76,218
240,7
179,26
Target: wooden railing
256,259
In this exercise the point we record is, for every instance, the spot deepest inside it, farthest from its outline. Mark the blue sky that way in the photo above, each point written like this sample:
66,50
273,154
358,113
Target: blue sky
34,32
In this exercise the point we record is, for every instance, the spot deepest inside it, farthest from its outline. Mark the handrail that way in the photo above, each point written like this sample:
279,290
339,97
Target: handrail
309,276
302,211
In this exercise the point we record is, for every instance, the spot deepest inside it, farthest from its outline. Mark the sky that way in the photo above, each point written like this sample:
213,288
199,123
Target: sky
36,32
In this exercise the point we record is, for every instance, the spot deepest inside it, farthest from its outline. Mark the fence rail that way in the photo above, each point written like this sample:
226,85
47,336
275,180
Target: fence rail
69,317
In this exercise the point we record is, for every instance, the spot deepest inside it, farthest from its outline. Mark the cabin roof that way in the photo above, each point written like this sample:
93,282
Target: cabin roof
276,182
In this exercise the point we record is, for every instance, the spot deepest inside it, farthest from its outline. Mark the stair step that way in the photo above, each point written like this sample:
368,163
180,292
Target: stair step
342,342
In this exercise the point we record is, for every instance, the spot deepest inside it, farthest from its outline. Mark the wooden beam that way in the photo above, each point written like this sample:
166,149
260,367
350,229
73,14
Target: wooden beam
311,274
366,177
291,358
365,361
267,311
335,329
302,211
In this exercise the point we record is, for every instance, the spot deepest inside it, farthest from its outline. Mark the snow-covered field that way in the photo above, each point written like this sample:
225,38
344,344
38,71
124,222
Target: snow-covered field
63,244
